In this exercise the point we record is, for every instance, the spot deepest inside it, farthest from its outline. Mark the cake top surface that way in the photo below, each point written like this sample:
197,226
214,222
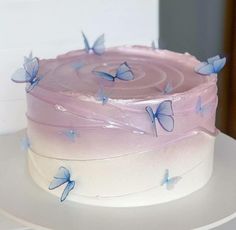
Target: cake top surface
156,73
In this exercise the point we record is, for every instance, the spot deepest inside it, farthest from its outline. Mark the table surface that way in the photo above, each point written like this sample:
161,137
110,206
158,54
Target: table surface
6,223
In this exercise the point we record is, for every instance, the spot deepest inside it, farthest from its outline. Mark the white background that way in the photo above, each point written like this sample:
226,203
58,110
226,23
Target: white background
51,27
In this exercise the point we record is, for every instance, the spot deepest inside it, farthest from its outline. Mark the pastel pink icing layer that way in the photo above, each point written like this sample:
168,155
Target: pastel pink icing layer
66,98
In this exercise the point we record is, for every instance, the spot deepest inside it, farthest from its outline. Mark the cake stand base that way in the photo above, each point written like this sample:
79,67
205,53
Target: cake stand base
25,202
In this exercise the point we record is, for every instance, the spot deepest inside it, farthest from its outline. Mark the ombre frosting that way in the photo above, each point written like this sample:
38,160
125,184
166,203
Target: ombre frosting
67,99
102,138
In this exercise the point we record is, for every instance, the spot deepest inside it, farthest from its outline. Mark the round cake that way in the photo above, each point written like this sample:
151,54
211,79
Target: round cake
133,126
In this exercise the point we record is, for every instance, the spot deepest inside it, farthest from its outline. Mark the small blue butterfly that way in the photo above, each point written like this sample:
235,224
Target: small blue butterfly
153,45
202,109
158,45
213,65
168,88
102,96
71,134
170,182
123,72
24,143
62,177
164,115
28,74
77,65
98,46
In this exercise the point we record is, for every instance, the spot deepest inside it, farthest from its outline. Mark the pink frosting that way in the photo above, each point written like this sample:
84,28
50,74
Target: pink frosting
66,98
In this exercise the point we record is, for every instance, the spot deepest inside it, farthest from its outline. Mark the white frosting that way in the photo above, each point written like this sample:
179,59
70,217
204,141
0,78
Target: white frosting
138,175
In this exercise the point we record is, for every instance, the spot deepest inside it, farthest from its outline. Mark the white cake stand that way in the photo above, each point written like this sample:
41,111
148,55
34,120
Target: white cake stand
22,200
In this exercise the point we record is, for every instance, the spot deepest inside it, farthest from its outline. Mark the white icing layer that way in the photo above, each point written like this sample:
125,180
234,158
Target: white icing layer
123,181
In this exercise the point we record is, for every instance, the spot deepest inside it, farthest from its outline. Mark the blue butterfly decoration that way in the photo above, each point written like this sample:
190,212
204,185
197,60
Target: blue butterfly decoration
24,143
29,58
77,65
71,134
164,115
102,96
123,72
153,45
158,45
200,108
63,176
28,74
168,88
170,182
213,65
98,46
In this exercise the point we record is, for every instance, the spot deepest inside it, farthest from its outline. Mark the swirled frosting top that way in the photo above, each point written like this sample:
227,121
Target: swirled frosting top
73,73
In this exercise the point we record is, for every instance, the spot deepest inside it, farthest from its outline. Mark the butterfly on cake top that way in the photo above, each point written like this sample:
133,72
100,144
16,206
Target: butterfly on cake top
123,72
77,65
28,73
98,46
153,45
213,65
167,89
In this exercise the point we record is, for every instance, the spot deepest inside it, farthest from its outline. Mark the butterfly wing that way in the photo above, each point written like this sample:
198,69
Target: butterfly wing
152,117
32,84
206,109
86,43
199,105
124,72
204,68
165,108
211,60
99,46
172,182
166,122
104,75
150,113
29,58
153,45
24,143
164,115
168,88
219,65
102,96
77,65
20,76
71,134
62,176
202,109
165,178
32,68
68,188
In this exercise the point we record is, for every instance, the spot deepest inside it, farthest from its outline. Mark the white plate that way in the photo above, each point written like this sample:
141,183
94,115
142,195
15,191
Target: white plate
209,207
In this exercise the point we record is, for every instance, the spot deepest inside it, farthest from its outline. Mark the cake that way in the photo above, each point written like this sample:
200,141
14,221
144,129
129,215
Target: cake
125,126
